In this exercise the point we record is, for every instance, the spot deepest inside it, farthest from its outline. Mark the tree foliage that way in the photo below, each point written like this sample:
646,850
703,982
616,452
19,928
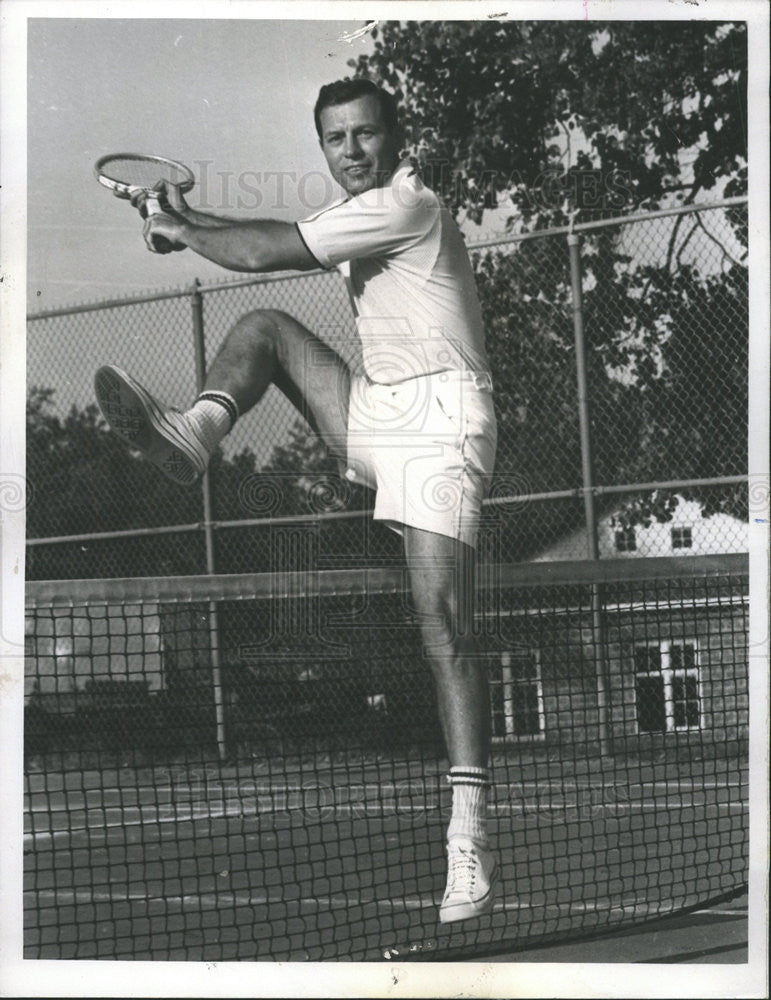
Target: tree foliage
550,118
526,108
84,481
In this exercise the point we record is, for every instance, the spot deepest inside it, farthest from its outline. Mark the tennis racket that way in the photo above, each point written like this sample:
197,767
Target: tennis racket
128,174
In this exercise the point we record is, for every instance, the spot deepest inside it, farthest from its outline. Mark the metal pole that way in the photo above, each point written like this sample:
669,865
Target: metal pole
208,527
587,473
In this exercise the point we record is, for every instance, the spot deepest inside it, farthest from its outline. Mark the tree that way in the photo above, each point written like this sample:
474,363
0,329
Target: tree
517,107
84,481
548,118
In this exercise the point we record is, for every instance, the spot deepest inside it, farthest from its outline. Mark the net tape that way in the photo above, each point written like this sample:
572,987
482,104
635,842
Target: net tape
216,772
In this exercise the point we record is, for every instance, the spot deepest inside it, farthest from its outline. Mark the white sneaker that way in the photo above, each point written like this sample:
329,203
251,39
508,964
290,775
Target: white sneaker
472,874
165,436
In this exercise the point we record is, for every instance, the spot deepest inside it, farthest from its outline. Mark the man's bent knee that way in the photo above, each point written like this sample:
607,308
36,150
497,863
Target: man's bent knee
277,327
263,321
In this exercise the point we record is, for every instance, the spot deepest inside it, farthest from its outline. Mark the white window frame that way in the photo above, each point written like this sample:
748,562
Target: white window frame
668,674
508,683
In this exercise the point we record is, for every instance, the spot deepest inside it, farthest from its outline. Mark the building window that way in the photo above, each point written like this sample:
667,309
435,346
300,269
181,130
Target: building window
516,695
667,686
625,540
681,538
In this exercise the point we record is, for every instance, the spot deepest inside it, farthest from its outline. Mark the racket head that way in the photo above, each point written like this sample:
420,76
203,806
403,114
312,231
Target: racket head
127,173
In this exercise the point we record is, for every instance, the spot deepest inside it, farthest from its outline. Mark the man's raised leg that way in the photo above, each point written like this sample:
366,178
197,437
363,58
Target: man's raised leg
264,347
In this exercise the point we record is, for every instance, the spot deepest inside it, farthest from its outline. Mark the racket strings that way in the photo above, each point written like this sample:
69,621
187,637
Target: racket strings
143,172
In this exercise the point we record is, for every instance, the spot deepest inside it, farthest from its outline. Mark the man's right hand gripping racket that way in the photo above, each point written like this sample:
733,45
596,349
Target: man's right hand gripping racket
130,174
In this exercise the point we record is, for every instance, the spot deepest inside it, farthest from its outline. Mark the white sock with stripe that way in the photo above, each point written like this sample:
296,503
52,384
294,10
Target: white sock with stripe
213,414
469,803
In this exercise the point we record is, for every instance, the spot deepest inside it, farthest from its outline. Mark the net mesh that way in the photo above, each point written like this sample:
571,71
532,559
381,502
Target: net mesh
250,767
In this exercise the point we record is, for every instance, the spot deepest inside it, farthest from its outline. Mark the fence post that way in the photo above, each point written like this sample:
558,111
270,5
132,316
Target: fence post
587,475
214,633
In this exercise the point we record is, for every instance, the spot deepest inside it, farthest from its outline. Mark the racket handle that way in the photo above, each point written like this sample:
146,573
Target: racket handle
160,243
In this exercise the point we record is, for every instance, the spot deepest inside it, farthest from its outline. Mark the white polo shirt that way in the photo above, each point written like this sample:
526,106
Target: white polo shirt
409,277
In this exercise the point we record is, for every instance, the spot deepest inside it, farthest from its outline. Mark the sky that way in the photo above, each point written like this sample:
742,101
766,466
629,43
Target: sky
231,98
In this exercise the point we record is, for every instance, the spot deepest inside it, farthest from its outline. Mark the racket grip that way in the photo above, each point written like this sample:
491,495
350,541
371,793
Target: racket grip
159,243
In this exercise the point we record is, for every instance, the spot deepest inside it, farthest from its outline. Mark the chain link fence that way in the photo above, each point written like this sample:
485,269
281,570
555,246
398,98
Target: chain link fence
619,350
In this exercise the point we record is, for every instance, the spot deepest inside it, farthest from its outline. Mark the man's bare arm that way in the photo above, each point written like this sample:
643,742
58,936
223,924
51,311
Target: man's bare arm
254,246
197,218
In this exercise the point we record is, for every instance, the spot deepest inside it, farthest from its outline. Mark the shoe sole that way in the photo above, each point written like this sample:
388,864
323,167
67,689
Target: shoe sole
135,417
469,911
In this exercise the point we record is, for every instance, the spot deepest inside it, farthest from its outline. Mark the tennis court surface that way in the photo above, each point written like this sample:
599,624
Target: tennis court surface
249,767
714,935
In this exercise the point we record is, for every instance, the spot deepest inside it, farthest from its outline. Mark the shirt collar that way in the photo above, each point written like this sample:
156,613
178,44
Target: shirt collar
404,169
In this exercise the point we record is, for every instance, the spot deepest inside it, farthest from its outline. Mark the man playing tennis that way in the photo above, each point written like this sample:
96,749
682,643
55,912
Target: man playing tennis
416,424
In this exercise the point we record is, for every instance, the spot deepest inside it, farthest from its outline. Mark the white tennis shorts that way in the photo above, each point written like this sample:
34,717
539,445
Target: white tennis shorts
427,445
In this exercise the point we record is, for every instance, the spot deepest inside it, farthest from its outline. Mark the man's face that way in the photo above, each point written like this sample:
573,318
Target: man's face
360,150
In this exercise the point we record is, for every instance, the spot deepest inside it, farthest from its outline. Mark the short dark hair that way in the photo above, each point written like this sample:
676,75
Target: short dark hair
343,91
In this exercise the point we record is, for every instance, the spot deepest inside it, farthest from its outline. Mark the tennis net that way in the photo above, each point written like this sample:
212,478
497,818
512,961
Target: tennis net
250,767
